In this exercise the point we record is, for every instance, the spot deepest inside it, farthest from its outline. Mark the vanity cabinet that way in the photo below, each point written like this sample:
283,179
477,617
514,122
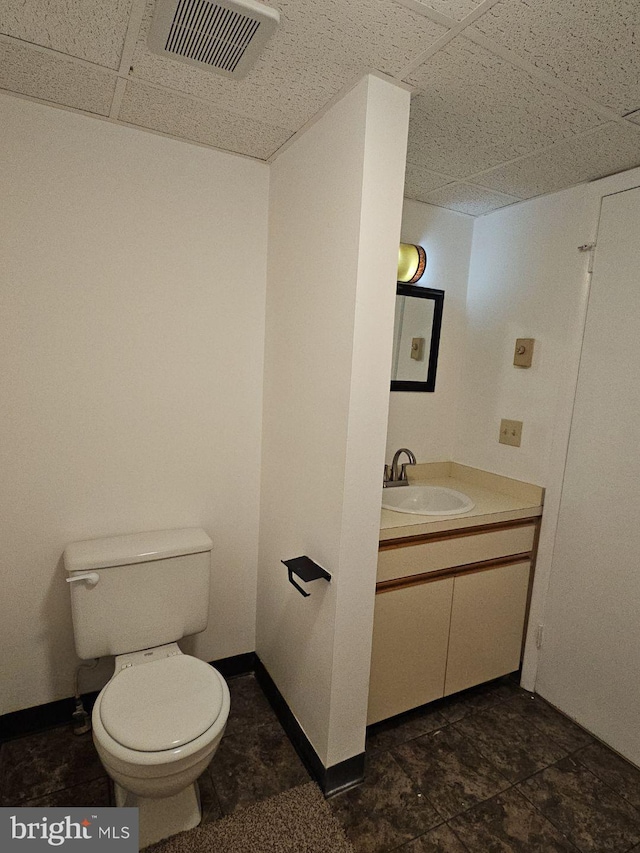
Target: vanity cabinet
450,613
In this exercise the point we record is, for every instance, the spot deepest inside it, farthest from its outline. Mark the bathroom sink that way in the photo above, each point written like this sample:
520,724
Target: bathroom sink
426,500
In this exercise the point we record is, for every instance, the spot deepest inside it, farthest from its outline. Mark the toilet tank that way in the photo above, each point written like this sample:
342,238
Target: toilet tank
152,588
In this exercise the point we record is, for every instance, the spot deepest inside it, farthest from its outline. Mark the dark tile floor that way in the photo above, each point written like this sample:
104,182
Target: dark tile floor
254,760
491,770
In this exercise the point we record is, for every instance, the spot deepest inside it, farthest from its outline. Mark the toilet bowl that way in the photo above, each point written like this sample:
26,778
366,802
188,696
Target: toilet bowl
156,726
159,720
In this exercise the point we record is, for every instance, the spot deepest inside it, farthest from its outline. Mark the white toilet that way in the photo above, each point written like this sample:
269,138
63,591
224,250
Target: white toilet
159,720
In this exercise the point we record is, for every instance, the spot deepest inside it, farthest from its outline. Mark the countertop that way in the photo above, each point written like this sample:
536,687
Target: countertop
496,499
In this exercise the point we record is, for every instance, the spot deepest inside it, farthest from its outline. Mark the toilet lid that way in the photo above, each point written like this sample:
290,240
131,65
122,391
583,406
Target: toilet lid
163,704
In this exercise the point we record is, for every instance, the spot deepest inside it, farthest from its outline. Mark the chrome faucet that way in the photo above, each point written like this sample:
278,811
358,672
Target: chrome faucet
393,477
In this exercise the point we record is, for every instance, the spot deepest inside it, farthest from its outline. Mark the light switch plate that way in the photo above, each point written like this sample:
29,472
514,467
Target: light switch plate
510,432
523,355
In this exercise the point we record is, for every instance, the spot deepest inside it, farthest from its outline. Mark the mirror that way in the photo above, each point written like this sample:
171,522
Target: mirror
416,338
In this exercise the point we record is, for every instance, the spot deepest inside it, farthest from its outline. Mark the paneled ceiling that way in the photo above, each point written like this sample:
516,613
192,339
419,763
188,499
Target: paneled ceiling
512,98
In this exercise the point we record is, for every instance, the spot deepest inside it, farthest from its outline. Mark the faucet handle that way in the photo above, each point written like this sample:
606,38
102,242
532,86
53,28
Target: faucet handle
387,475
403,471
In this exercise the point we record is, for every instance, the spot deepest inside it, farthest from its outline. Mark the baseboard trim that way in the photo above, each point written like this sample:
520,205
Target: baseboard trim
40,718
332,779
244,664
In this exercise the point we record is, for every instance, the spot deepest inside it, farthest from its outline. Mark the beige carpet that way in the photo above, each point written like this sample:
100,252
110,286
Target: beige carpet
296,821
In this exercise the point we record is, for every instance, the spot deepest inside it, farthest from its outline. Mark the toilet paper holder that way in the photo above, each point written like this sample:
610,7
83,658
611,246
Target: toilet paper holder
304,568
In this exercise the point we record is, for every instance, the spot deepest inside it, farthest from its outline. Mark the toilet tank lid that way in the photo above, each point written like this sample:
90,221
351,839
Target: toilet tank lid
135,548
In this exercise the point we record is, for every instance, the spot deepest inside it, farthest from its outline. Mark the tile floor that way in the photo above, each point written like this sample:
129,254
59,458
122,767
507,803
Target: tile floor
492,769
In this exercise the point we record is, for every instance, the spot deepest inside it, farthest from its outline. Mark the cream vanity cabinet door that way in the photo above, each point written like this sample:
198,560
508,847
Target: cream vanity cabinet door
409,654
487,623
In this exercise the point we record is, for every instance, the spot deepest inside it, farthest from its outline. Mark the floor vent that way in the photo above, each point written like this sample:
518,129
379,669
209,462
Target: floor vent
224,36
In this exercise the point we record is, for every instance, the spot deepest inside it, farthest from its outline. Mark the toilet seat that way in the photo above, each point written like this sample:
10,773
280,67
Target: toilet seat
161,705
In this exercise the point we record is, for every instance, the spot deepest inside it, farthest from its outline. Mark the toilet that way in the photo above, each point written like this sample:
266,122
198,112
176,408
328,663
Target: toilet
158,721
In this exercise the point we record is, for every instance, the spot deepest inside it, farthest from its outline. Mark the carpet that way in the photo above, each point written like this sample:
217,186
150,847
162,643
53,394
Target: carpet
296,821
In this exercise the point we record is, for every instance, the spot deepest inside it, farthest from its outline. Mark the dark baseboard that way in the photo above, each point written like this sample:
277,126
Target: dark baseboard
332,779
236,665
40,718
340,777
53,714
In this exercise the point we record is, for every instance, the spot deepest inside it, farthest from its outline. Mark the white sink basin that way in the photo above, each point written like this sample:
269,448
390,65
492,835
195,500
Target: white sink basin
426,500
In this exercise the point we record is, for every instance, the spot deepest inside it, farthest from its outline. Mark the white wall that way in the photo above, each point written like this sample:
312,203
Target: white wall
528,279
132,292
335,210
425,423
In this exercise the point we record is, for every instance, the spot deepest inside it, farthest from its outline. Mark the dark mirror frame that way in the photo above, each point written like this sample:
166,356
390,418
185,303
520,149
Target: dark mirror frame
438,297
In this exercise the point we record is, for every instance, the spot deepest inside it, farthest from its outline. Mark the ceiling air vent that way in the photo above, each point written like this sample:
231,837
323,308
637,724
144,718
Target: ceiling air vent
225,36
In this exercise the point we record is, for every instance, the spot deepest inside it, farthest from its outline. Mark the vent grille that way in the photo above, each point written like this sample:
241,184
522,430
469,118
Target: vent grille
225,36
207,32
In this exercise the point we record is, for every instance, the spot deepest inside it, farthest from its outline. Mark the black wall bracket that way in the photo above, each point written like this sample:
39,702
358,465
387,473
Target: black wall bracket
306,570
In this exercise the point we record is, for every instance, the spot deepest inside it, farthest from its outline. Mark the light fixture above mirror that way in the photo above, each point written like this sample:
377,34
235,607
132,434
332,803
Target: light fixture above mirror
412,262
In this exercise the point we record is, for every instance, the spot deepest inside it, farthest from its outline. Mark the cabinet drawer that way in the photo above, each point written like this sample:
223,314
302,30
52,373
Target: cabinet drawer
398,561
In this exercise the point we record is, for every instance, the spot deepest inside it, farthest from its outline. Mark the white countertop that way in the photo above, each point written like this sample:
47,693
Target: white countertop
496,499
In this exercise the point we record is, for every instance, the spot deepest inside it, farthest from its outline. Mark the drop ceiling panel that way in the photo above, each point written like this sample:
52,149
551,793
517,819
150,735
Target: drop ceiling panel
477,110
456,9
82,28
360,35
612,148
469,199
33,72
477,118
591,45
172,113
317,49
418,181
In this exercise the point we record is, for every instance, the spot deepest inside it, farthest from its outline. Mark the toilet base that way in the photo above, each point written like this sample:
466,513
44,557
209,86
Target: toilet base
160,818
